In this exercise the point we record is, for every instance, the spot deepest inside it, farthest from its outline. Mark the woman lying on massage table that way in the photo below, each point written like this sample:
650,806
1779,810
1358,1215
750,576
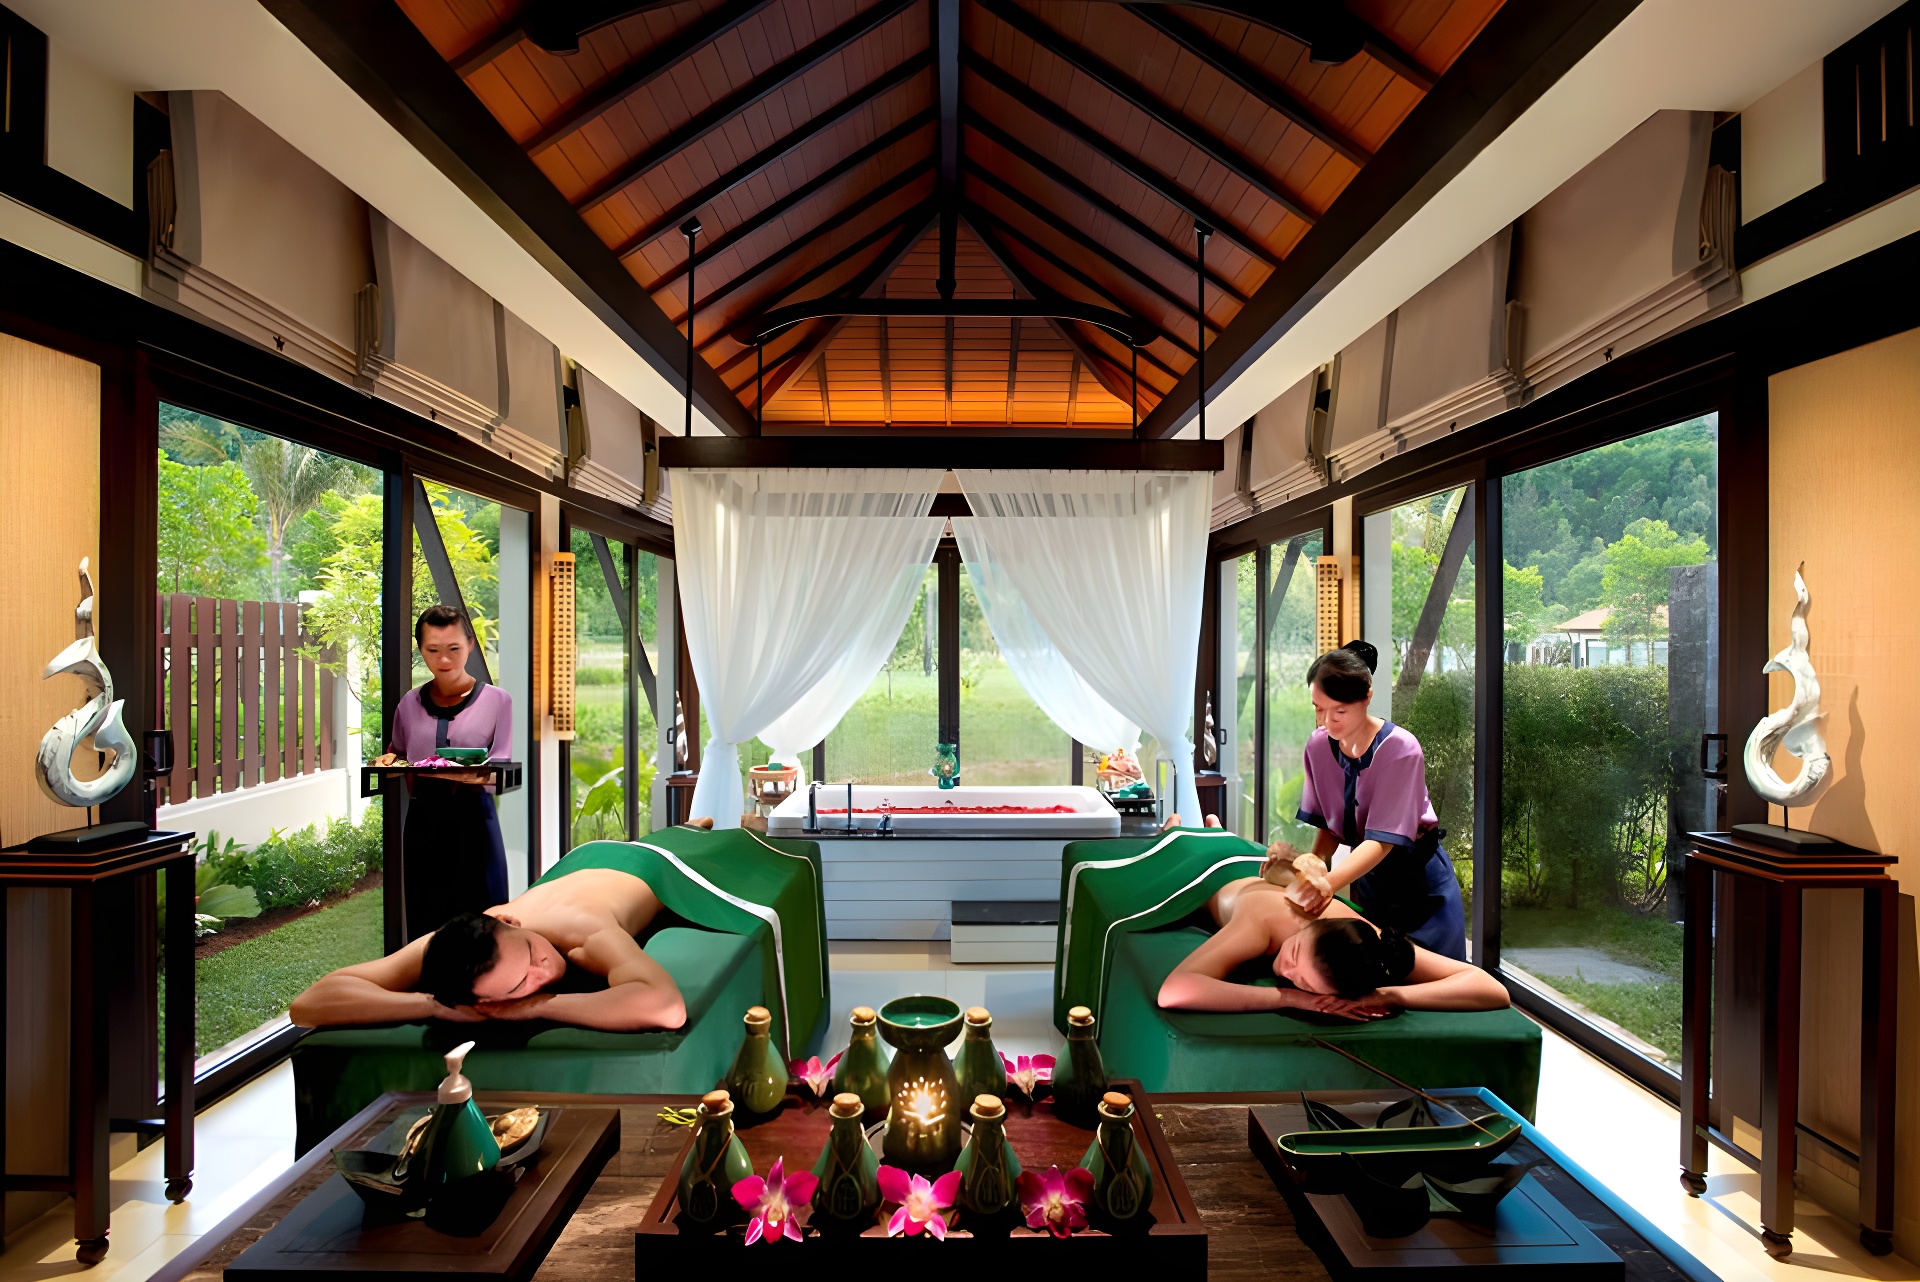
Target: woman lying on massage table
520,960
1338,963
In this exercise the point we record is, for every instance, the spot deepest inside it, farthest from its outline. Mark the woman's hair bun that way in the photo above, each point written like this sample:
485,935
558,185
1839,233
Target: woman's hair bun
1368,655
1396,955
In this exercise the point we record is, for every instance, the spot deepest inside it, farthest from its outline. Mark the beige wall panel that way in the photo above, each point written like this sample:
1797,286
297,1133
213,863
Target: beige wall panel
1845,465
1280,434
533,384
1360,408
614,439
435,321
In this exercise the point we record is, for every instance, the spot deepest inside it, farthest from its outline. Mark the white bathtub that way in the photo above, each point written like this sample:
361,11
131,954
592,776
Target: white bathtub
1085,812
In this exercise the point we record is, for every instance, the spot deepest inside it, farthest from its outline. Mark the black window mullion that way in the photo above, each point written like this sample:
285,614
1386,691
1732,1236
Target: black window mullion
396,679
1489,708
947,565
1262,565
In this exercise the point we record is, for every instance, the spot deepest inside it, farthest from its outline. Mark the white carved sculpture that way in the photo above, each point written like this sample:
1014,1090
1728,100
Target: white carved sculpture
98,718
1795,727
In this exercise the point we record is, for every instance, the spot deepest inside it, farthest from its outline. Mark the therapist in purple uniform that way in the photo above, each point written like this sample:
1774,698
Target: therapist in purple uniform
1366,788
456,861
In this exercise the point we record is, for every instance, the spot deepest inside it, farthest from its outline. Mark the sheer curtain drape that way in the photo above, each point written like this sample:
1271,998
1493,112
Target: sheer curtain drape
1112,567
1036,663
784,576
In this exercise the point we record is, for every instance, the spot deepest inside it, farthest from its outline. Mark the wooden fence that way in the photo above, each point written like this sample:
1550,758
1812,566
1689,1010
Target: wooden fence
244,706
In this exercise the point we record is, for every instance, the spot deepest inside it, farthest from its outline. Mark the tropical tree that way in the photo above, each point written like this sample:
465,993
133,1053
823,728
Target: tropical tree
1638,579
290,480
209,535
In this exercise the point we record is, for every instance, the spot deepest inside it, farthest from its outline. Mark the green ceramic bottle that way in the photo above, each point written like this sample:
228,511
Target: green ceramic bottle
715,1163
847,1169
1122,1177
1081,1077
977,1064
457,1143
988,1168
758,1079
862,1069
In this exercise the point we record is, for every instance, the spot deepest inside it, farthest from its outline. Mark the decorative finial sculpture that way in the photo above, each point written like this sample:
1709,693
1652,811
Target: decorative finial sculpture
1795,727
1209,745
97,719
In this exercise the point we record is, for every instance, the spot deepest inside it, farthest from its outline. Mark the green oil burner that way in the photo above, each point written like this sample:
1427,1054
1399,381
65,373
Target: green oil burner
924,1109
946,764
458,1143
758,1079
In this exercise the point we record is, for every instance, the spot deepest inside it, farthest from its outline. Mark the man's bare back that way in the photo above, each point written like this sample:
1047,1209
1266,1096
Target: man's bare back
504,966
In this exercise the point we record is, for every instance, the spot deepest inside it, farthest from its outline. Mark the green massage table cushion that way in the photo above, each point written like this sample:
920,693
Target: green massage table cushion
339,1071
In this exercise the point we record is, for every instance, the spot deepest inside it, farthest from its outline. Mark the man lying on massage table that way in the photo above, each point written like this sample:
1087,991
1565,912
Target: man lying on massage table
524,959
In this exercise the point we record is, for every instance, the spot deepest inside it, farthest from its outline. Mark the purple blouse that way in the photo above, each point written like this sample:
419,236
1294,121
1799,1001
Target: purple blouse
1381,796
484,719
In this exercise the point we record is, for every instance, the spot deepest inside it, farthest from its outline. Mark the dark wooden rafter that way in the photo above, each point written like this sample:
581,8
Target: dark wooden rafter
809,189
486,48
1136,95
767,83
899,182
1092,196
1118,323
1063,226
1058,117
945,32
784,145
1252,80
1397,60
643,71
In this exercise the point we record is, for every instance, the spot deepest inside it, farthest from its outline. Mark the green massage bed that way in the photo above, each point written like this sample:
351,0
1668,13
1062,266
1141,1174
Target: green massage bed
745,925
1132,908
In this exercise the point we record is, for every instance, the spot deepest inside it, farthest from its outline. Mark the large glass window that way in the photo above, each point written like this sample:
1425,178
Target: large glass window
613,681
1240,682
1291,648
1611,614
888,736
1004,737
269,664
1417,592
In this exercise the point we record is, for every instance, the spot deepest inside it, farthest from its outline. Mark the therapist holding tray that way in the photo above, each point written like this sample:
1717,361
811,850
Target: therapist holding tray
456,861
1366,788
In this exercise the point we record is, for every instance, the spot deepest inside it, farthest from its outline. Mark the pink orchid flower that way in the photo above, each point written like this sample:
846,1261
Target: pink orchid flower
920,1202
1054,1201
814,1075
779,1203
1029,1072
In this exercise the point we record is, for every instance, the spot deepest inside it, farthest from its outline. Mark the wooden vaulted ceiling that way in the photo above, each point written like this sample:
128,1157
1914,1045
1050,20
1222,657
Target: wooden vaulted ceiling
1087,137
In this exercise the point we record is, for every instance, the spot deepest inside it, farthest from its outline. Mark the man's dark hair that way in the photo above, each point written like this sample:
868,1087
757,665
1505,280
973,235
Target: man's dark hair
1357,958
443,616
1343,675
460,952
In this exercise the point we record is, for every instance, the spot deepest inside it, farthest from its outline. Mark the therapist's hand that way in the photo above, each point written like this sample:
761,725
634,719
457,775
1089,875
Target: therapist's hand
1306,898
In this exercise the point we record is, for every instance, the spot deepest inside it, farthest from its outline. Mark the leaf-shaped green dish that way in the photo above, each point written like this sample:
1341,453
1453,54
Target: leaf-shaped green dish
1395,1153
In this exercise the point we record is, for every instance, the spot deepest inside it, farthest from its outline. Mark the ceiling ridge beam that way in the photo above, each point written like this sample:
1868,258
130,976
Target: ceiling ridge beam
1139,170
805,191
1061,178
784,145
1136,95
769,82
888,188
1249,77
643,71
946,44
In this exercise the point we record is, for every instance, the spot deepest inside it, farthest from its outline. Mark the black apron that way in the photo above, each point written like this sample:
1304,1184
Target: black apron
456,859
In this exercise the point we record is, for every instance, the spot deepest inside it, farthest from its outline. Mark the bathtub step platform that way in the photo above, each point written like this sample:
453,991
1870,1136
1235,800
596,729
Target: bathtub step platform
1005,930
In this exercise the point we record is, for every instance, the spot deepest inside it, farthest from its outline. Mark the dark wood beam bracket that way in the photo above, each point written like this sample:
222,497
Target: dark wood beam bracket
1050,453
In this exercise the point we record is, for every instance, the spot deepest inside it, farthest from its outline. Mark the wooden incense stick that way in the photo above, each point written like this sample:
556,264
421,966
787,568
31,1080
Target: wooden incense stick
1373,1068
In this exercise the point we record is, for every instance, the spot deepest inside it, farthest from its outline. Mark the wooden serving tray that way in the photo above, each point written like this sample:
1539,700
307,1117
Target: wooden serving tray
1171,1241
507,775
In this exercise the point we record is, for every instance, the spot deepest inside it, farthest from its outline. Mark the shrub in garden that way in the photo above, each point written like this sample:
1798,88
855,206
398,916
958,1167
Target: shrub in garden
316,862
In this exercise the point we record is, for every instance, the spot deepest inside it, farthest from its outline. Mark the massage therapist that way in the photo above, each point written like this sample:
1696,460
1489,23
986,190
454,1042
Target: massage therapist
1366,788
455,860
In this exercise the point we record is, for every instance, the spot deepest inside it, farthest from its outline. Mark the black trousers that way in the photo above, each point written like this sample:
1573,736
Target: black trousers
456,860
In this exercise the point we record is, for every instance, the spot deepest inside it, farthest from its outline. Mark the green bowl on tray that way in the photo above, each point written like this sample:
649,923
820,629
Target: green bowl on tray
1395,1154
467,756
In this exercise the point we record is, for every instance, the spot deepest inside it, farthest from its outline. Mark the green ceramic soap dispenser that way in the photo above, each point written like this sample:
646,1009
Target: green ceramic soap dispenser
458,1143
758,1079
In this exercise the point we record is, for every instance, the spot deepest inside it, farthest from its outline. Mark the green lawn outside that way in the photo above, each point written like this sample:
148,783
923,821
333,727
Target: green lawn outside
1648,1010
888,736
242,987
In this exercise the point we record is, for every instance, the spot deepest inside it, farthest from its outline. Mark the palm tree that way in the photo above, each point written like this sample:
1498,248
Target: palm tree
290,481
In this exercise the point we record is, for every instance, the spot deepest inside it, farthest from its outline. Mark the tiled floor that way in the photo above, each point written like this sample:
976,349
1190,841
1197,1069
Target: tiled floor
1621,1134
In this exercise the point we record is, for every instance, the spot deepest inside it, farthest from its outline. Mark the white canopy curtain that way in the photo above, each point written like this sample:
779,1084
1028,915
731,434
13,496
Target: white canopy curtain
783,575
1036,663
1112,566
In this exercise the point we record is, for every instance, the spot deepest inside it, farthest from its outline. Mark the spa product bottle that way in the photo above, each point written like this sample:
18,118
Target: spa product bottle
977,1064
1081,1077
1122,1177
716,1161
847,1169
988,1168
758,1079
863,1067
458,1142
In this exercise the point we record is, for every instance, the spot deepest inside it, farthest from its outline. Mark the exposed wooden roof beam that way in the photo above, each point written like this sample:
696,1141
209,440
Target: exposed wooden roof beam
487,47
806,191
1132,92
1397,60
1092,196
946,45
899,181
643,71
1251,79
1165,188
769,82
1071,336
781,146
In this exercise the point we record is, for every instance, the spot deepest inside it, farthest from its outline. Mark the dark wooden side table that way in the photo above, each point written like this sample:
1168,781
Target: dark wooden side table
85,877
1782,879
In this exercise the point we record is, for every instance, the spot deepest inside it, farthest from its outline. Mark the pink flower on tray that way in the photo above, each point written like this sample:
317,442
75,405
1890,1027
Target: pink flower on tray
1028,1073
920,1202
814,1075
1054,1201
779,1204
